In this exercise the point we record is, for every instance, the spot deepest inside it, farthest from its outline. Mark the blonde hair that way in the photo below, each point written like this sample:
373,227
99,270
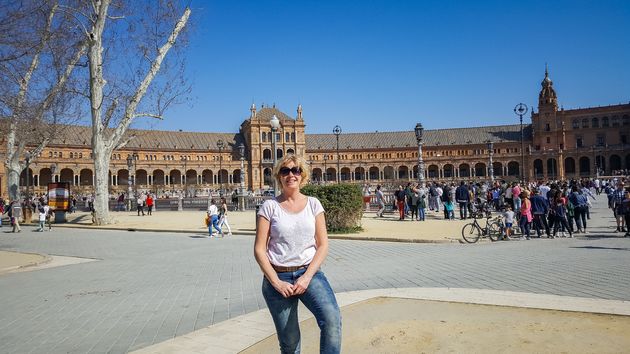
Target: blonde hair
298,162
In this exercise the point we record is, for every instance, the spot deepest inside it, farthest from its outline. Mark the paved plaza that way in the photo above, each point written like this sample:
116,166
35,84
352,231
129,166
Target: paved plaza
147,287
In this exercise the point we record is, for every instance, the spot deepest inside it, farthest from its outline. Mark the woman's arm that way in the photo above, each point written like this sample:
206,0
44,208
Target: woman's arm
321,242
260,253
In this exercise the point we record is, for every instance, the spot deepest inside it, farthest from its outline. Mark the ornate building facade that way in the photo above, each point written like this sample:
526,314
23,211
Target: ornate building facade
558,143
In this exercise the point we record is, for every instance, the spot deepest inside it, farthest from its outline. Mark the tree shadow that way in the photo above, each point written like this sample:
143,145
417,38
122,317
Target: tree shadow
603,248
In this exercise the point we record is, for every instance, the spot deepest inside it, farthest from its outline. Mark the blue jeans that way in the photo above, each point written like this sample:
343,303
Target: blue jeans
517,204
318,298
421,214
463,210
214,222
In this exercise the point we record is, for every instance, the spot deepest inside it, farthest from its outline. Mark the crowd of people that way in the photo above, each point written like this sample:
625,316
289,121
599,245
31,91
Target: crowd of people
553,208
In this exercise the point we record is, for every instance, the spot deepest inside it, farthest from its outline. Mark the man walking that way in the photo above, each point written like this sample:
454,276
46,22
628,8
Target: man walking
400,195
380,201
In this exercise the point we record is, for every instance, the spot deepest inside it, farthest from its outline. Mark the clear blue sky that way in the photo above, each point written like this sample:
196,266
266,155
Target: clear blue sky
385,65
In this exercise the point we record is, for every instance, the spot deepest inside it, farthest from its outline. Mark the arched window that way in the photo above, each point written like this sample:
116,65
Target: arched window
585,123
595,122
605,122
576,124
615,121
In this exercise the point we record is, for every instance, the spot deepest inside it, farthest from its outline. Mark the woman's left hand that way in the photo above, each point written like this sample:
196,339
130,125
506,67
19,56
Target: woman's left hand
301,284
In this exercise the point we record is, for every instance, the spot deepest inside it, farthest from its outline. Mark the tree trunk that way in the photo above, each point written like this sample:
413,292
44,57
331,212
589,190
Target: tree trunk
101,185
13,169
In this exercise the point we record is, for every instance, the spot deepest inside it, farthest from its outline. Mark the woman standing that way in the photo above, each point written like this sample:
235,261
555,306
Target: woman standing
149,203
291,244
223,216
526,214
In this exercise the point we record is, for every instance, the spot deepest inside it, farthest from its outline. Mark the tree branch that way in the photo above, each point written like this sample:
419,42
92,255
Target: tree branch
150,115
144,85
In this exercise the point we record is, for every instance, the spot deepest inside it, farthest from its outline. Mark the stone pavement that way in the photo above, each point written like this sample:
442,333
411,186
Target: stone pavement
148,287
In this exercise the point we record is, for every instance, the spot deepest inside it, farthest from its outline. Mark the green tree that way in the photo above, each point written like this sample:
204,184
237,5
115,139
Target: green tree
343,204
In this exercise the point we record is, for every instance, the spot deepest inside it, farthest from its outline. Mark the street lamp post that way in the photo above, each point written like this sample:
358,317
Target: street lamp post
53,170
491,168
419,132
135,173
275,124
27,202
325,168
241,194
337,132
183,178
27,159
129,190
220,146
520,110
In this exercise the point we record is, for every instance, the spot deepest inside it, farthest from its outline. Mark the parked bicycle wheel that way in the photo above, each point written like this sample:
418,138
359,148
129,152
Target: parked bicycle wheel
494,231
471,233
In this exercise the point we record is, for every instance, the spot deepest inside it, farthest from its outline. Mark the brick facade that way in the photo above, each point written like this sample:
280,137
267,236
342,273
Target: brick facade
558,143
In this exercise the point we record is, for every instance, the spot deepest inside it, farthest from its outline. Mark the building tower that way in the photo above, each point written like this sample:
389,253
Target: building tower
548,132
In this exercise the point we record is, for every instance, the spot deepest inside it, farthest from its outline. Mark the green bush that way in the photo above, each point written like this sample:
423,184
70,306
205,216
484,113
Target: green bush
343,204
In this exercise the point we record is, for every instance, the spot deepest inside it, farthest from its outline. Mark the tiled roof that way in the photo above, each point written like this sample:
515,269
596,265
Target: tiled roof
177,140
154,139
265,114
441,137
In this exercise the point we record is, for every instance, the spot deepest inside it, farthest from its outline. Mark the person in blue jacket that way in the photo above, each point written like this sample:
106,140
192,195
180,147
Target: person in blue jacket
540,208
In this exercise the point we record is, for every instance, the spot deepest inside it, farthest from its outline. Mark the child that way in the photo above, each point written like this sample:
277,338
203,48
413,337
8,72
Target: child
509,221
422,205
42,218
559,212
449,209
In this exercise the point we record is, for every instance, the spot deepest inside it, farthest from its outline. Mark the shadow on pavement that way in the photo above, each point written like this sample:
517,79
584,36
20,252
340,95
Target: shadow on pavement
603,248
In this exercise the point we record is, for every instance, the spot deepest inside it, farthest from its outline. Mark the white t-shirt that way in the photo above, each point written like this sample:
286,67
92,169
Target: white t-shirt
213,210
509,216
291,235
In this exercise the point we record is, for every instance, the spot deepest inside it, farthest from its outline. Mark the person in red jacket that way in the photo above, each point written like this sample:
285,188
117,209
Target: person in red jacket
149,203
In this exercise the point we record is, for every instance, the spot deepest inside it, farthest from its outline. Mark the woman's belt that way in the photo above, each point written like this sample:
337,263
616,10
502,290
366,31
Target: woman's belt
281,269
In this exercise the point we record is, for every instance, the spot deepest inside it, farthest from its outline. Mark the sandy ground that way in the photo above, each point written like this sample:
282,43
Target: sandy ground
394,325
434,229
12,260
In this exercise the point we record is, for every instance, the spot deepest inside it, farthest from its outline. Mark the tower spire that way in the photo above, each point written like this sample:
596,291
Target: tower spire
546,70
547,96
252,109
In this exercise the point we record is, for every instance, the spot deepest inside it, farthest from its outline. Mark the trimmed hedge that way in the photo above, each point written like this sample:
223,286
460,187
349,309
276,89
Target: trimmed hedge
343,204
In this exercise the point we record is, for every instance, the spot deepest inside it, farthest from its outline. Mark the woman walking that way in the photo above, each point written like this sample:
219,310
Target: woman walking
223,216
291,244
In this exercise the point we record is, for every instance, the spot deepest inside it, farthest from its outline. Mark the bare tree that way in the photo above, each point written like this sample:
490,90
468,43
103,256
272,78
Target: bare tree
128,77
38,55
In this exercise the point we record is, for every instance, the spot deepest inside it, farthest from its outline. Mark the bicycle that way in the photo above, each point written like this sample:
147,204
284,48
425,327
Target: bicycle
472,232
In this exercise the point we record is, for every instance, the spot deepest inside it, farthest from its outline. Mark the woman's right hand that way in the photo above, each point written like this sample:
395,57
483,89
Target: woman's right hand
284,288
